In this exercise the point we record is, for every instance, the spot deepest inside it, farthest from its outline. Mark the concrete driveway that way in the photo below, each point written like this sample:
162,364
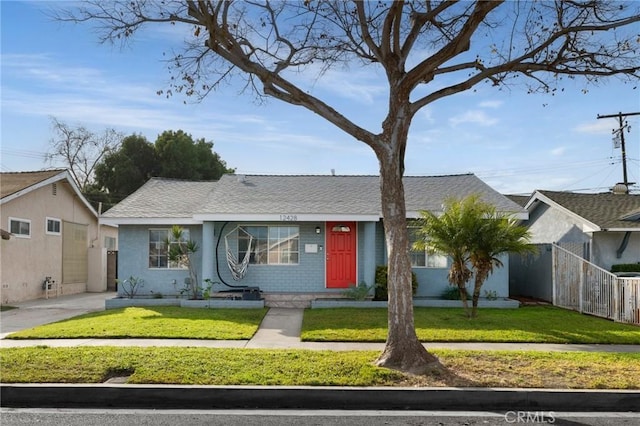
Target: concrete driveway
43,311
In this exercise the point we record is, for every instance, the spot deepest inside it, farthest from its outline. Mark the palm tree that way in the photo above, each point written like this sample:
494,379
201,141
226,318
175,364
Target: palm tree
472,233
494,235
448,234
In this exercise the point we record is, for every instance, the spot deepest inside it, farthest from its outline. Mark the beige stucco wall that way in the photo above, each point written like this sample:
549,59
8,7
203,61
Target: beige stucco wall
24,262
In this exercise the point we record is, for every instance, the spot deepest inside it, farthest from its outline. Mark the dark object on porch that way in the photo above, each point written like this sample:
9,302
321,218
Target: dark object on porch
251,293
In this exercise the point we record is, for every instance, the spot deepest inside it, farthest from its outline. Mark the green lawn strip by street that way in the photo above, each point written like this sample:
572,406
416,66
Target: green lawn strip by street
537,324
166,322
206,366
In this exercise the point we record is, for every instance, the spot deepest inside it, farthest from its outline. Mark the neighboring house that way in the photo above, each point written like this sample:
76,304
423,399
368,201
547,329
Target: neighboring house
53,232
602,228
311,235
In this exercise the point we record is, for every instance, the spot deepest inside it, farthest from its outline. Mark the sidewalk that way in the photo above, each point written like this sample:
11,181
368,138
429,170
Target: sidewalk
280,329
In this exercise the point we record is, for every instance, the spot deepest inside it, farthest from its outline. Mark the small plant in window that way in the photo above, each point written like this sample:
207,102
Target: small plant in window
131,286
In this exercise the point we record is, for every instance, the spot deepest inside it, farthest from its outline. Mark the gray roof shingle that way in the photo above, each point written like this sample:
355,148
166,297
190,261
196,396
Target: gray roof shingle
606,210
163,198
299,194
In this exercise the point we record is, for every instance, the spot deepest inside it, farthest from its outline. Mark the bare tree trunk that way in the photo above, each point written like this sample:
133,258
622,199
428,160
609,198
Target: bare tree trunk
403,351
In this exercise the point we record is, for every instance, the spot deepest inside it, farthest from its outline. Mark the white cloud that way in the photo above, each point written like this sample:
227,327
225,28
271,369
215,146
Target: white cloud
558,151
474,117
490,104
596,127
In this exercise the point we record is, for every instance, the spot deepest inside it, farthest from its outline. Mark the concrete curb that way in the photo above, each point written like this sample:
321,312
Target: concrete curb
304,397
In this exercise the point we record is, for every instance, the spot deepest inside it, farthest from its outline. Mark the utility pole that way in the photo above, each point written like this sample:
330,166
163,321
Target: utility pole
620,132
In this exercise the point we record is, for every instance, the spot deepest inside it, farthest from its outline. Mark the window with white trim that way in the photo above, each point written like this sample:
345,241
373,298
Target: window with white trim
271,245
53,226
422,258
20,228
160,242
110,243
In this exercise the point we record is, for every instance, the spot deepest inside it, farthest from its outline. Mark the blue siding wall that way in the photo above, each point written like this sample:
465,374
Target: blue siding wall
307,276
133,260
433,282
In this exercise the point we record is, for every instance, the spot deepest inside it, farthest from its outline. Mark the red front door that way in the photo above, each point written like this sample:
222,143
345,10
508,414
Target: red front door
341,254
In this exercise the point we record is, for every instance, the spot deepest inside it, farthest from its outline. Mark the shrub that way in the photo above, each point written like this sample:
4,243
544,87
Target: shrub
452,293
131,286
381,283
358,292
626,267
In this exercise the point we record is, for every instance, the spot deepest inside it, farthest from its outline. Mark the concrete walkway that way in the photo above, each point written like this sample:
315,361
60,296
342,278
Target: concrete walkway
44,311
280,329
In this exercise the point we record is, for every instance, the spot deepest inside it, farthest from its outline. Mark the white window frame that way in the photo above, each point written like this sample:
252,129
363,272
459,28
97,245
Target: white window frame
170,264
270,243
46,226
429,259
110,243
16,234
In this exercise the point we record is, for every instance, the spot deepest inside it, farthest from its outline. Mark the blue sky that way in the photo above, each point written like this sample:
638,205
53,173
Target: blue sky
513,141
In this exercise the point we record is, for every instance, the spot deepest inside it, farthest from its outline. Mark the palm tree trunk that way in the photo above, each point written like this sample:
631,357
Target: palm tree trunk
481,276
463,297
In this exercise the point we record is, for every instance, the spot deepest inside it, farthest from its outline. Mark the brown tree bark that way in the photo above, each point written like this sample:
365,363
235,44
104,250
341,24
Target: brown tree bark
403,351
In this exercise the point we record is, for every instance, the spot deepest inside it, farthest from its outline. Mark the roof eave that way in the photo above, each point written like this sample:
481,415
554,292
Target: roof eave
116,221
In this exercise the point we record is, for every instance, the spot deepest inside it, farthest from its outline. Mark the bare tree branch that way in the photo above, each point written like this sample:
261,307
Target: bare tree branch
80,150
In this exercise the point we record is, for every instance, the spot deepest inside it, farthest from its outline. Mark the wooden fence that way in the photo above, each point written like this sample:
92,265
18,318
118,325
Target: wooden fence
587,288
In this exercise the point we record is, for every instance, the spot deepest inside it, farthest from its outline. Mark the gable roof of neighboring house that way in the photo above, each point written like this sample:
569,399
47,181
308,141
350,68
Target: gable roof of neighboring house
161,200
16,184
602,211
293,197
521,200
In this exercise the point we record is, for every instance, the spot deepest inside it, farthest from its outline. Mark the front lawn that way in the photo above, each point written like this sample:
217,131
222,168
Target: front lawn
539,324
205,366
161,322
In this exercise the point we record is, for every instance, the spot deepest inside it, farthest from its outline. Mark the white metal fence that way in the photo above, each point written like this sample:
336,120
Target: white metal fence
587,288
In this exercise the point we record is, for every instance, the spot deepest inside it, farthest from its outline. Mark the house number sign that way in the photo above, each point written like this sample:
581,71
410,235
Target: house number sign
288,217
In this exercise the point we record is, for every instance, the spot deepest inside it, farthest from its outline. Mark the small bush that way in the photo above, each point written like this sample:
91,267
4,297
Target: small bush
131,286
452,293
358,292
382,292
625,267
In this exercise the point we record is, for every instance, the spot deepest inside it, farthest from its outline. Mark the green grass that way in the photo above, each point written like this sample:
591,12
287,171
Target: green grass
166,322
539,324
204,366
6,308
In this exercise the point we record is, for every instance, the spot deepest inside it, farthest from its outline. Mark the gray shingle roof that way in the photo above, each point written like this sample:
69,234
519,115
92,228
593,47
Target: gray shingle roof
163,198
519,199
606,210
300,195
355,195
